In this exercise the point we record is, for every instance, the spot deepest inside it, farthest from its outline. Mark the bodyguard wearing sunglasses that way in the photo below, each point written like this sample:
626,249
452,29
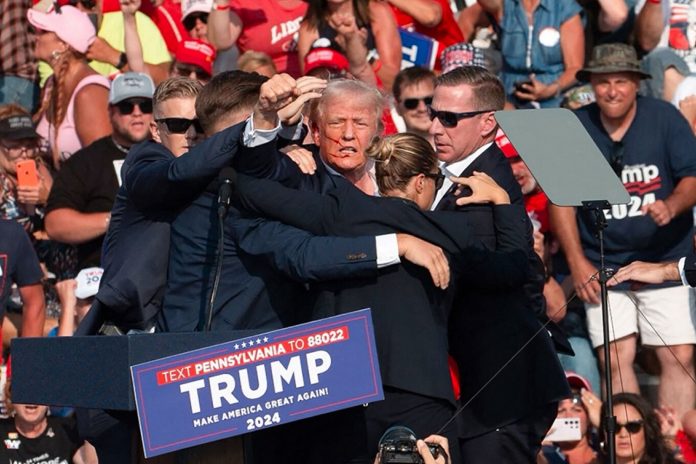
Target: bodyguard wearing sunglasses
464,128
650,147
79,206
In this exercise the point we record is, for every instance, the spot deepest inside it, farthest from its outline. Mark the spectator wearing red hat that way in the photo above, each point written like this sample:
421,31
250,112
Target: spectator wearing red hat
73,109
194,59
585,406
375,26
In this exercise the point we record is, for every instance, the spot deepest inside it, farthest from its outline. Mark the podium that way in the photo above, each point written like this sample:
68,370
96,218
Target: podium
94,371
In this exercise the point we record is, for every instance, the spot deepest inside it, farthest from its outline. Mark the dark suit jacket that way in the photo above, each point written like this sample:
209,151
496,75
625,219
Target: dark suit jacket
136,247
409,313
690,268
489,330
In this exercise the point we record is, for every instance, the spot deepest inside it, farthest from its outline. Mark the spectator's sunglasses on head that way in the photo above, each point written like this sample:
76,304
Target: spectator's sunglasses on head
185,69
180,125
412,103
616,157
127,107
632,427
450,119
190,20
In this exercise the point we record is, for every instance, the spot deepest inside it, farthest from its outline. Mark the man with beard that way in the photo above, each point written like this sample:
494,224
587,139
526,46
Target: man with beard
79,206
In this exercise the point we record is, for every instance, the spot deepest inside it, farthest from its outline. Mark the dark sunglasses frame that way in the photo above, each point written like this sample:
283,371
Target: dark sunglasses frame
190,21
127,107
616,157
450,119
438,177
412,103
632,427
180,125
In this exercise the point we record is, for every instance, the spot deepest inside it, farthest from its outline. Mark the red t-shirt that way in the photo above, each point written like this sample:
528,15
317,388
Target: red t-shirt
446,33
271,28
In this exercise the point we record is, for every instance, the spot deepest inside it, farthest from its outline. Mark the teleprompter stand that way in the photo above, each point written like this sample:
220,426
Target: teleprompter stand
567,164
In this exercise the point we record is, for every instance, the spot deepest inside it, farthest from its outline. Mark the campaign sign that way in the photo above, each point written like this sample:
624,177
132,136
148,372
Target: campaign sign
417,50
258,382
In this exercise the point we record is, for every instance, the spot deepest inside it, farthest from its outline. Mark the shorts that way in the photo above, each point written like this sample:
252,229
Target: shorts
671,312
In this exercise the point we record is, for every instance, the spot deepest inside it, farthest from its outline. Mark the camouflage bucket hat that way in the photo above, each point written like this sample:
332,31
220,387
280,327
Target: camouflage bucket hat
612,58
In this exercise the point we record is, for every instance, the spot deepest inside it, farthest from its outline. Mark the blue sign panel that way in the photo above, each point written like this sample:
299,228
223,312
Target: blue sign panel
255,383
417,50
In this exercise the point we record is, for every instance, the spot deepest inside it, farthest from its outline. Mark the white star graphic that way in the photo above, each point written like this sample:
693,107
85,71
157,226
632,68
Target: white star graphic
243,344
258,341
251,342
265,339
236,346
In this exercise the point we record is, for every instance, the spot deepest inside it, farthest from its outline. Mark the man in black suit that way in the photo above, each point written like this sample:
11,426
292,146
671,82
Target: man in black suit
683,270
510,377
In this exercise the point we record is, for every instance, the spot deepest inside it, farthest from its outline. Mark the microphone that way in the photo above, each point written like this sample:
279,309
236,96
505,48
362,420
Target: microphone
228,178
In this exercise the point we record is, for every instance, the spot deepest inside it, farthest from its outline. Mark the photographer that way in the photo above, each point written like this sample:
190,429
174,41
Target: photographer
425,453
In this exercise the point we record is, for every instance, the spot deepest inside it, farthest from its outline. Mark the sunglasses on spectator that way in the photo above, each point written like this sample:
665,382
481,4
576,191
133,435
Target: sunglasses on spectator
16,151
190,20
88,4
438,177
632,427
616,157
412,103
450,119
184,69
127,107
180,125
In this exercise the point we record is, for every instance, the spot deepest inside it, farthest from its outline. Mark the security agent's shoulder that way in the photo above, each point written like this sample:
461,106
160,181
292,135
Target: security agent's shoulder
147,149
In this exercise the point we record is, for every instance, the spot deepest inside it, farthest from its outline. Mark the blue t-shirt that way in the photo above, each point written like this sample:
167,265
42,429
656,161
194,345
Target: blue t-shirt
18,261
539,53
659,150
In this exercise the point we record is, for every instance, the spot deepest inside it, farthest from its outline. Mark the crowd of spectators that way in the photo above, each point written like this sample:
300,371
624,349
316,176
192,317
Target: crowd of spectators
77,81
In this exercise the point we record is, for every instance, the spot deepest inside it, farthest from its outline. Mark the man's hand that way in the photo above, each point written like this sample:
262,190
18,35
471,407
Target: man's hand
585,281
648,273
659,211
274,94
130,7
426,255
483,190
65,289
100,50
302,157
308,88
425,453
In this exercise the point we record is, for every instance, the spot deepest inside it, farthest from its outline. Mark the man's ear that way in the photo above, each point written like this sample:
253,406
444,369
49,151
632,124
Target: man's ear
314,131
488,125
154,132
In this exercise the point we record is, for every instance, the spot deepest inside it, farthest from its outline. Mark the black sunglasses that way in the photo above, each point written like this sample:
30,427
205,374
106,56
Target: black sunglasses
89,4
190,20
412,103
616,157
180,125
126,107
184,69
438,177
632,427
450,119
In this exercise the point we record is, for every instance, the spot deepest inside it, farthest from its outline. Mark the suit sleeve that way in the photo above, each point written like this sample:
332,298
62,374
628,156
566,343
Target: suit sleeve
305,257
508,266
155,179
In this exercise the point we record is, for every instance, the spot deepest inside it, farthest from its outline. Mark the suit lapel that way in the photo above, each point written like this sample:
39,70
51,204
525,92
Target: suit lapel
447,202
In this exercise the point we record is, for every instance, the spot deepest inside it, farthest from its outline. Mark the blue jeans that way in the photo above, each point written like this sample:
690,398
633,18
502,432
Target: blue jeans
583,363
18,90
